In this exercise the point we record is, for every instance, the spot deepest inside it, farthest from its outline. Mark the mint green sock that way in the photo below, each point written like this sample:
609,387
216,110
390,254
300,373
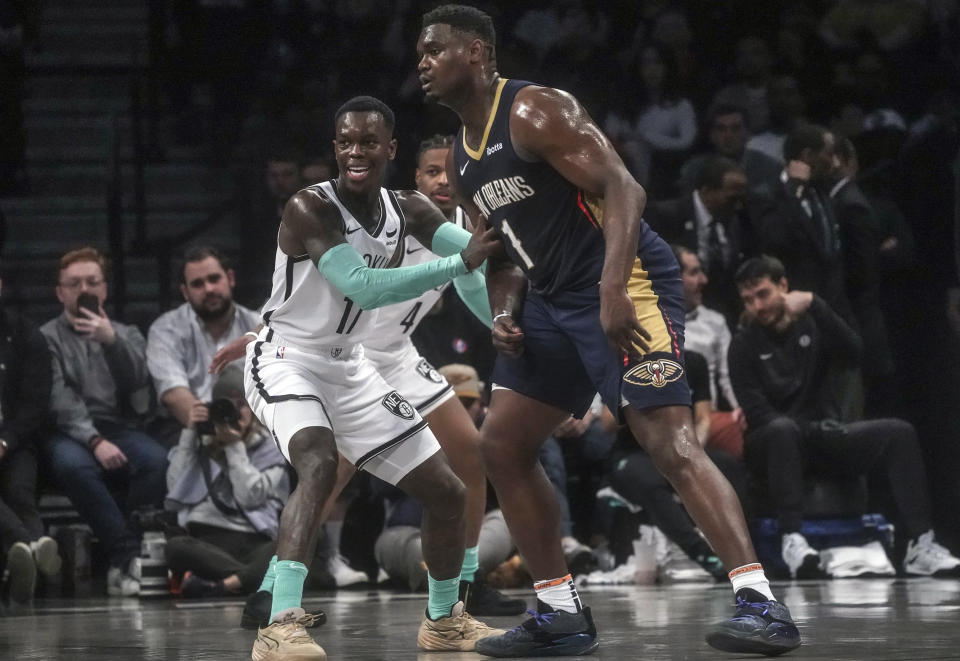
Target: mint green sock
288,587
442,596
471,563
270,576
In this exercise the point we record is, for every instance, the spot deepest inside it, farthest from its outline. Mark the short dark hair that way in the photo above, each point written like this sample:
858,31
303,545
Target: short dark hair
725,109
367,104
463,18
714,169
285,154
758,268
679,251
435,141
845,150
195,254
804,136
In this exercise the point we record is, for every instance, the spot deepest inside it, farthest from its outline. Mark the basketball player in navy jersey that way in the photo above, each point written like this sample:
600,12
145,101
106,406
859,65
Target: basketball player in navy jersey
306,374
604,312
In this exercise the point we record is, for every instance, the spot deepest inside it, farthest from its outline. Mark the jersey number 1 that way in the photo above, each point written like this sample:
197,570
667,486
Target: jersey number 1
346,316
515,242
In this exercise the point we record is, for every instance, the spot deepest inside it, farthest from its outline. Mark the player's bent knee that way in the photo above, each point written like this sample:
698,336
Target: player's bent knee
313,452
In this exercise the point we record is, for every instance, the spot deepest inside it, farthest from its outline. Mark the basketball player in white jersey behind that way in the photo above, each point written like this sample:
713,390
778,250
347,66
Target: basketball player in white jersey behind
399,363
306,376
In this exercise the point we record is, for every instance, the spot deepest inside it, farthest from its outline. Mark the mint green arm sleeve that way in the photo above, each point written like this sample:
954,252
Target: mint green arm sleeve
472,289
371,288
449,239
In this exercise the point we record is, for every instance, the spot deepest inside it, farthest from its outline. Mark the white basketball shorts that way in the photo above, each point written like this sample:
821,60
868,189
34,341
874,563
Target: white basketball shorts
374,427
405,369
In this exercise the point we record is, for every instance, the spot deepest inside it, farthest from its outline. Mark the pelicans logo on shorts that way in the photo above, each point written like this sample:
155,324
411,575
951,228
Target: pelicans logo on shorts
426,370
656,373
397,405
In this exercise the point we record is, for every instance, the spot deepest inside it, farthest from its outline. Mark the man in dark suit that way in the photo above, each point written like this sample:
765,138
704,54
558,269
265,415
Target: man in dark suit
709,223
728,134
795,219
861,236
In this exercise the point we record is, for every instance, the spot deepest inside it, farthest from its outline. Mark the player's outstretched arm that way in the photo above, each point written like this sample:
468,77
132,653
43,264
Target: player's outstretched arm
313,222
552,126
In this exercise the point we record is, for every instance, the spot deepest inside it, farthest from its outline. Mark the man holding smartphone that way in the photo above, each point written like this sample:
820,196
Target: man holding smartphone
100,390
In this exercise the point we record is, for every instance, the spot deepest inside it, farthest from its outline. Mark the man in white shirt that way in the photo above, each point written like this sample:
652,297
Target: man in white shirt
182,342
706,333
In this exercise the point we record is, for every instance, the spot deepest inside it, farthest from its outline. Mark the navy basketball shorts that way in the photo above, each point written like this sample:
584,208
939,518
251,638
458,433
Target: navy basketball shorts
567,358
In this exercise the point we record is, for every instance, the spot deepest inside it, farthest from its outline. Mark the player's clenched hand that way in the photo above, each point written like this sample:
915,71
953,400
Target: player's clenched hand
507,336
233,351
485,241
619,321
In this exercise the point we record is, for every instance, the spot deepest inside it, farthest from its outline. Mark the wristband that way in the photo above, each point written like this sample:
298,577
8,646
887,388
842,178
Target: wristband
253,334
502,314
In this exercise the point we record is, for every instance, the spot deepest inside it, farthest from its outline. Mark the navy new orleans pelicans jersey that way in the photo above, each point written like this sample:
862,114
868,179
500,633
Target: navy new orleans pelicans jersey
551,229
554,232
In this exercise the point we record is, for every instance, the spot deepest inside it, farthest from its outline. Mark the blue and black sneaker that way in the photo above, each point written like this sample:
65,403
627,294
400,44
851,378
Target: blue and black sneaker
760,626
547,633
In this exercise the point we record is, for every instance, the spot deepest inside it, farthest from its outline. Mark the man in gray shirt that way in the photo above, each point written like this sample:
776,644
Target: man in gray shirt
182,342
99,378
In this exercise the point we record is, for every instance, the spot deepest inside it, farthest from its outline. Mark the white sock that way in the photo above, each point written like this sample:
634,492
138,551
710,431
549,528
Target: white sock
560,594
334,528
751,576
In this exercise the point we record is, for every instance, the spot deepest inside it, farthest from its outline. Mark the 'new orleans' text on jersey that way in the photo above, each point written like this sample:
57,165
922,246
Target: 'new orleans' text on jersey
551,229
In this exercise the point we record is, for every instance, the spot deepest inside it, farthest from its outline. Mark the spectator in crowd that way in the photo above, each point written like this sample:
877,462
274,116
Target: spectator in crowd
317,168
635,478
861,238
588,439
709,221
228,485
752,67
779,361
727,133
24,414
282,178
181,343
468,387
795,219
100,393
658,128
786,110
706,334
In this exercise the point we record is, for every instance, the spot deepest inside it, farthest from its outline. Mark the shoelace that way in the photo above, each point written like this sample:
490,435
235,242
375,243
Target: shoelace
539,618
747,608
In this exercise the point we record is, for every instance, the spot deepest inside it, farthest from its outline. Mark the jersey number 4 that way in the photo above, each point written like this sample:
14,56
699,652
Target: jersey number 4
346,317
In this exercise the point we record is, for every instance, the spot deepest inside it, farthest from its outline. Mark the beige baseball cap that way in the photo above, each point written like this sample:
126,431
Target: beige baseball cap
464,379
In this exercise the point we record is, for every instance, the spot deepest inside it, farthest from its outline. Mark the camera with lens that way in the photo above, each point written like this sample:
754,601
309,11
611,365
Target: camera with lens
222,411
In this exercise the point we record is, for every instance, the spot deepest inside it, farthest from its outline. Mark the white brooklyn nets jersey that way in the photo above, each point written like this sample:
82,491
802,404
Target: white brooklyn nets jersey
399,320
304,309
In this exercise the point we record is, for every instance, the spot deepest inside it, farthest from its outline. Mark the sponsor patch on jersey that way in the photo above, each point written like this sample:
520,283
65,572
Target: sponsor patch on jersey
656,373
426,370
397,405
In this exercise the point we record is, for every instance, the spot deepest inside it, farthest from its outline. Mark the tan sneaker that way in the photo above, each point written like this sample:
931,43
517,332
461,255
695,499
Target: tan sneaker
459,632
286,639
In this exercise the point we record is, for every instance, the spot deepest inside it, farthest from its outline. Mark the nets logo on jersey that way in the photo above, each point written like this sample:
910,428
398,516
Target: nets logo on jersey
656,373
397,405
427,371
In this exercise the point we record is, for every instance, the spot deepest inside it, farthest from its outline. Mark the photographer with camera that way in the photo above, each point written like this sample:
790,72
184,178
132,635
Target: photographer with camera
100,393
227,483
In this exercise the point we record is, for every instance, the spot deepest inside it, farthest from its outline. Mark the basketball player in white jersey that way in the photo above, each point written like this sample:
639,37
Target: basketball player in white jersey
308,381
400,364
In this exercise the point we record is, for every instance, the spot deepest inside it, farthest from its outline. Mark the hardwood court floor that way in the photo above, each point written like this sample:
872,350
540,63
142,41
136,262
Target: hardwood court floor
876,619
